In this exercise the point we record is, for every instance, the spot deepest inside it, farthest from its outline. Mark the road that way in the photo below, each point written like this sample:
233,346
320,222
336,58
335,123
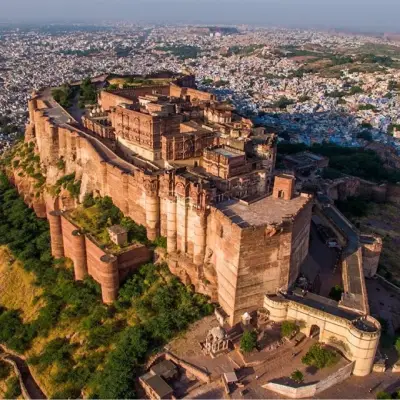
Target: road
31,386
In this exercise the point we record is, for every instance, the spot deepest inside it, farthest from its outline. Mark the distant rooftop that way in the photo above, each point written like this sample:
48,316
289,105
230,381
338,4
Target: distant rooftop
266,211
226,152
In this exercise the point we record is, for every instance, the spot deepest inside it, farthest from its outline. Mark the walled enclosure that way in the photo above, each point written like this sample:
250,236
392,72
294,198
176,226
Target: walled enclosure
89,259
233,262
357,345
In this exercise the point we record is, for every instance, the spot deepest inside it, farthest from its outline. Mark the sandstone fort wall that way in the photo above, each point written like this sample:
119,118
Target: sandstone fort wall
205,248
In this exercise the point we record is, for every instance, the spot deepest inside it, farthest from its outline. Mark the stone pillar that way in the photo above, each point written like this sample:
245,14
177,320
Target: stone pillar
181,223
56,235
171,225
109,278
79,255
152,216
200,238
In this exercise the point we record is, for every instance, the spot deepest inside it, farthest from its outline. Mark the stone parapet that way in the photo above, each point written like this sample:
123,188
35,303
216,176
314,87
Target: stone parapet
357,337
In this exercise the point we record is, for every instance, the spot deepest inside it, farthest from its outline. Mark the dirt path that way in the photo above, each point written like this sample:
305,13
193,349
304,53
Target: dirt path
31,386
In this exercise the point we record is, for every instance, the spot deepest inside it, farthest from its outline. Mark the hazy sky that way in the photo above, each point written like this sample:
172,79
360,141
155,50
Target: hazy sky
380,15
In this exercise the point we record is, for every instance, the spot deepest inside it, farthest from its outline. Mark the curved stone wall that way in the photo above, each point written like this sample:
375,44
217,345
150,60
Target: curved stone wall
357,339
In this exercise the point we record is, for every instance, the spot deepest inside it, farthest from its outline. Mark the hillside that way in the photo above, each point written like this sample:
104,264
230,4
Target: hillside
73,343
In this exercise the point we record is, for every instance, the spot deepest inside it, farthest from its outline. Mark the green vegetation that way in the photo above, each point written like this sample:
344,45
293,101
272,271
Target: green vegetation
356,89
88,93
383,395
282,103
97,214
69,183
385,61
207,81
22,156
13,390
123,51
63,95
320,357
289,329
353,207
397,345
181,51
297,376
5,370
161,241
243,50
248,341
365,164
367,107
330,173
392,127
336,293
104,354
60,164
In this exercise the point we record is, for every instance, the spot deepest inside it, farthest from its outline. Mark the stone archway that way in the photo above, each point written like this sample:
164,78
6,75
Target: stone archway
315,332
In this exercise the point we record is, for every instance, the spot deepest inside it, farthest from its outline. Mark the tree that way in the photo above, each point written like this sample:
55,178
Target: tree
13,390
288,329
297,376
282,102
5,370
356,89
336,293
248,341
319,357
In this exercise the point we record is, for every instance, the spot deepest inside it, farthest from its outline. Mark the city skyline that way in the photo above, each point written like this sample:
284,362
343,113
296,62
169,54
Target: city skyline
358,15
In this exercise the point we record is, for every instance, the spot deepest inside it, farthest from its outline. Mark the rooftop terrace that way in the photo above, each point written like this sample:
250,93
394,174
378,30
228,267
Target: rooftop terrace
266,211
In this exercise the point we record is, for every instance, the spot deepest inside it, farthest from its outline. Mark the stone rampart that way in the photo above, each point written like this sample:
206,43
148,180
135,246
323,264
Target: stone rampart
298,392
357,338
89,259
205,247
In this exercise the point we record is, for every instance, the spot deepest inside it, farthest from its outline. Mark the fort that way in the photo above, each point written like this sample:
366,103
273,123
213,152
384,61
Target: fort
191,169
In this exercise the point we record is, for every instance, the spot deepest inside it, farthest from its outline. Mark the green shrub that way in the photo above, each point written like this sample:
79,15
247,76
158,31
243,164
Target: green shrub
336,293
5,370
161,241
61,164
13,388
88,200
397,345
57,352
248,341
288,329
297,376
383,395
319,357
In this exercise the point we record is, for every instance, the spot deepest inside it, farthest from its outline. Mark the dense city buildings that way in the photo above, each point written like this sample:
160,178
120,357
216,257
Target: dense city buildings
153,154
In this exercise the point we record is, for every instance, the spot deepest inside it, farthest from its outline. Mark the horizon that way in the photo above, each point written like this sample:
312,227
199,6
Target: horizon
358,16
